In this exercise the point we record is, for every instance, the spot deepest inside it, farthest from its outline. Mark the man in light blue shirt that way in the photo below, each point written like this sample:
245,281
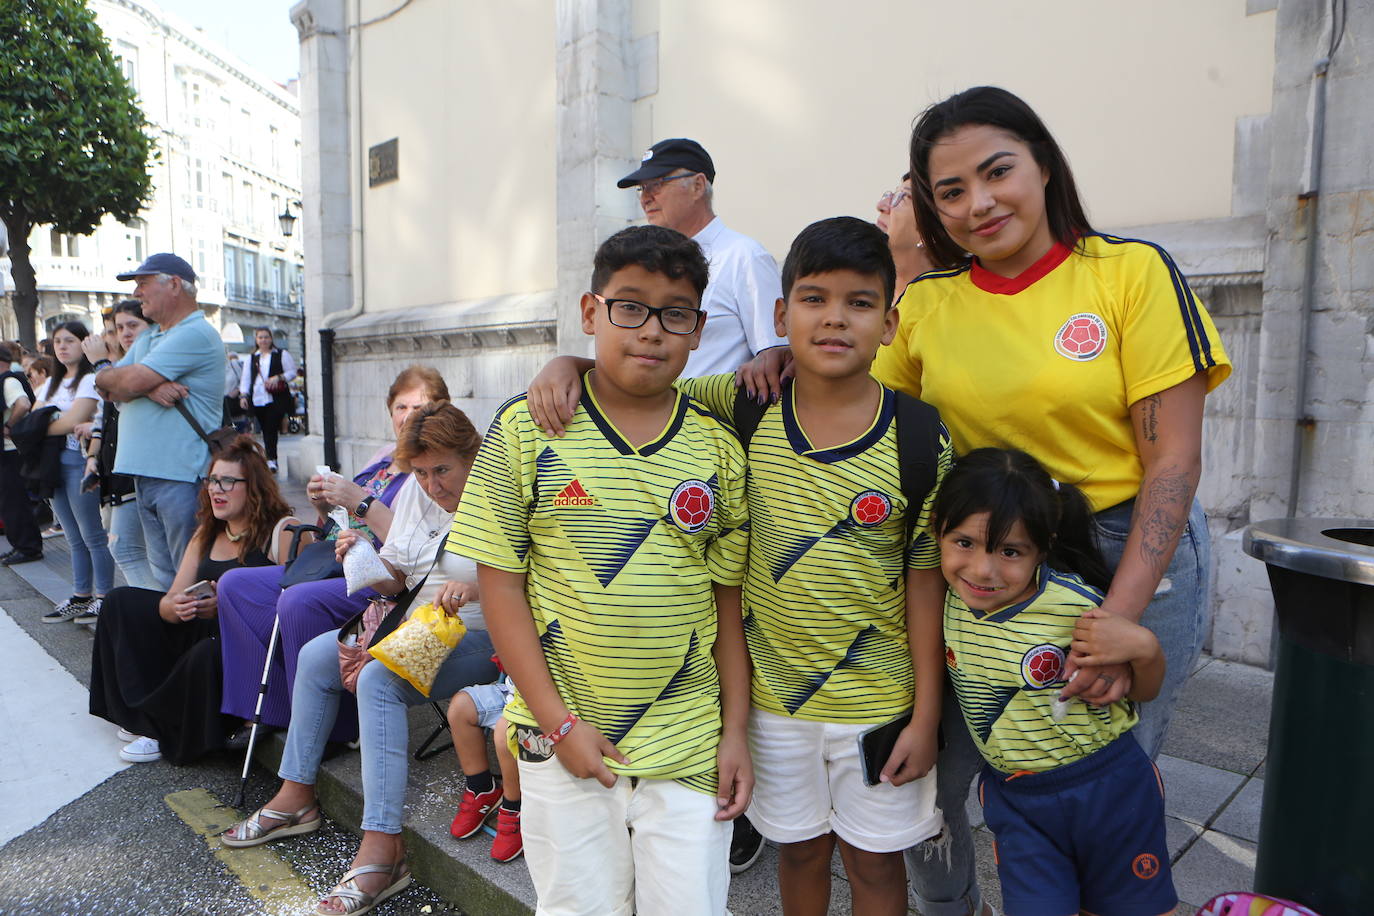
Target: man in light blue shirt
180,357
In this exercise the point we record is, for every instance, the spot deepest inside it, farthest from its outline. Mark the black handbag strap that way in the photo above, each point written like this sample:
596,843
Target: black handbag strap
406,598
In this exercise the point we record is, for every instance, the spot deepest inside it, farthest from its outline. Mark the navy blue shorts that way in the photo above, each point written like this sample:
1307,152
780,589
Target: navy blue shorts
1086,836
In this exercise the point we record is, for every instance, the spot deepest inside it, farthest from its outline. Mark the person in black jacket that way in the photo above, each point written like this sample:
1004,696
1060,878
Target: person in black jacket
265,388
16,510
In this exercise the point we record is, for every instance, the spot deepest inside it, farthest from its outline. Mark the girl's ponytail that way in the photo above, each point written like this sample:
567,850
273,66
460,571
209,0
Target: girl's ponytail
1074,549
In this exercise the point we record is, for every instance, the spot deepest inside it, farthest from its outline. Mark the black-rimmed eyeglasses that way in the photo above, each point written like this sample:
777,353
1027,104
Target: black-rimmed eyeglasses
627,313
223,484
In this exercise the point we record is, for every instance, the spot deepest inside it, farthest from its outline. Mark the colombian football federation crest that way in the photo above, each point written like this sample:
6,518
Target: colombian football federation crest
870,508
691,506
1042,666
1082,337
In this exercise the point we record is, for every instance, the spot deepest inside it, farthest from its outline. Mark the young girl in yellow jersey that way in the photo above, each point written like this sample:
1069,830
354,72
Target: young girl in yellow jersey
1075,806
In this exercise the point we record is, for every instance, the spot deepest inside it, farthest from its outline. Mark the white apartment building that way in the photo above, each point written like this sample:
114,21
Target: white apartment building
230,146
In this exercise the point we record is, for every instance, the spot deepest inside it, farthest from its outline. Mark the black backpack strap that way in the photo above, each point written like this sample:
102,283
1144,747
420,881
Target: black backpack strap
746,415
918,450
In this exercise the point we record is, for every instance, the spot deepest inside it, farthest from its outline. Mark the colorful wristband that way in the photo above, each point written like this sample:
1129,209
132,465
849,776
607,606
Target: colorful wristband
561,732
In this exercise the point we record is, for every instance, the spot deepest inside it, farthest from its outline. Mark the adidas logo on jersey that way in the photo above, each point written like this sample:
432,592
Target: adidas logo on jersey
574,494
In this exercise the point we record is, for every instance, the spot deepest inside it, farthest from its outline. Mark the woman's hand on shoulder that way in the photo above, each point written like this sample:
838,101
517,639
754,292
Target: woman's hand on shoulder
763,375
453,595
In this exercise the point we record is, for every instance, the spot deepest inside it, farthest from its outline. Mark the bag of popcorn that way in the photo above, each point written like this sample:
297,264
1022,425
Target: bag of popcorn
417,648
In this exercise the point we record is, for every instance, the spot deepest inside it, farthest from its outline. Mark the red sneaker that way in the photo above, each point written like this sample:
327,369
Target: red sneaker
508,843
474,811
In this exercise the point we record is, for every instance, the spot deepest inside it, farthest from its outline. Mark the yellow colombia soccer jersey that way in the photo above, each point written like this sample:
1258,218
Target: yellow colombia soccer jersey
620,547
825,598
1050,361
1008,666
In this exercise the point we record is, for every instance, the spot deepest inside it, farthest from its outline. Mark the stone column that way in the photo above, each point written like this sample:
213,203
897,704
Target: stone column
326,203
596,87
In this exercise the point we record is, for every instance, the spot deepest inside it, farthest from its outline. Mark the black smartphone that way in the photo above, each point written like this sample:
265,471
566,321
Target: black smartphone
90,482
876,744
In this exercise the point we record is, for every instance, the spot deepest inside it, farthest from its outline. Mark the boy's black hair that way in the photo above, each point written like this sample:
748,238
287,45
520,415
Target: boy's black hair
656,249
840,243
1011,486
992,107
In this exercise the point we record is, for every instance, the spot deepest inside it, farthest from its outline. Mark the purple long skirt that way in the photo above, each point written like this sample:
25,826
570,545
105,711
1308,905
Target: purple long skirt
249,599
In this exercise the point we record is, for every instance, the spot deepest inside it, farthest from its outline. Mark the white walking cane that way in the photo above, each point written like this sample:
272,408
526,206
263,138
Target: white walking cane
257,712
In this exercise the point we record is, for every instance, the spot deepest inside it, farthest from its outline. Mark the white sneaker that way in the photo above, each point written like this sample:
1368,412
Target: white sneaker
123,734
141,750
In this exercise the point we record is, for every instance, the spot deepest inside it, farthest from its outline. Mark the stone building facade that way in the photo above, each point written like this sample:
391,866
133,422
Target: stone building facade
460,165
230,143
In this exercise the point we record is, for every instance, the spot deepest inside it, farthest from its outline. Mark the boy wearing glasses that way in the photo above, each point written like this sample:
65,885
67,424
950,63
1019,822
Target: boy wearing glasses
609,563
844,598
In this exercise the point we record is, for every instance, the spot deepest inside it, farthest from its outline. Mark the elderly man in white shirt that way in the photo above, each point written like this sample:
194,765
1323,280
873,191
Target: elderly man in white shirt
674,184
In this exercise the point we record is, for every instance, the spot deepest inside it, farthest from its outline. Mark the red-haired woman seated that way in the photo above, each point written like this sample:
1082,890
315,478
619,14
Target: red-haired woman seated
155,671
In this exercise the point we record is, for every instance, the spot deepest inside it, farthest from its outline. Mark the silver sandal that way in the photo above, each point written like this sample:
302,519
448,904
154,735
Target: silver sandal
251,832
356,902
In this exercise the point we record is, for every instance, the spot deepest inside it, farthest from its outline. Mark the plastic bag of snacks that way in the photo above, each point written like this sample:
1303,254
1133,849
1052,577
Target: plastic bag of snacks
363,567
418,647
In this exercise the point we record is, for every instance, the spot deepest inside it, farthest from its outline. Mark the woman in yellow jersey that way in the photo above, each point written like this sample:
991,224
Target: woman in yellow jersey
1034,331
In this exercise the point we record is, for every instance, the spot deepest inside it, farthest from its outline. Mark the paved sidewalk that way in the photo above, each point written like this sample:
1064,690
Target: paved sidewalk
1212,763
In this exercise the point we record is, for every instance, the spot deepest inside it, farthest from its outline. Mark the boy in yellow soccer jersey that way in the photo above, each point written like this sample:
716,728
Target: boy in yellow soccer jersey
844,595
610,563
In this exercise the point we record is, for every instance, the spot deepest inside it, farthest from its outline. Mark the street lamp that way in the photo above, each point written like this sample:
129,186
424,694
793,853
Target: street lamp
287,220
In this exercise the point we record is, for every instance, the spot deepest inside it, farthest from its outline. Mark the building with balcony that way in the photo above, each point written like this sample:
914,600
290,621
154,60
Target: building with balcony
229,139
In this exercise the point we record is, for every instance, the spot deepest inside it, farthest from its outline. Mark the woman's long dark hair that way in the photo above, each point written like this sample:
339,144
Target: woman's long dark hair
80,332
265,507
1011,486
1001,109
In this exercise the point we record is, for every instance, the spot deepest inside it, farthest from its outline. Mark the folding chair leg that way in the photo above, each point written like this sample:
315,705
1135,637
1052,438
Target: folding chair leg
425,751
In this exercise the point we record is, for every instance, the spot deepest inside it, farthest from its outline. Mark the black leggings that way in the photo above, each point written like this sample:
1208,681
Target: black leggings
269,418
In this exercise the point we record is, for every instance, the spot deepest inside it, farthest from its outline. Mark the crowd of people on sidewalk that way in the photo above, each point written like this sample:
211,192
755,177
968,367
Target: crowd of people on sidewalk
797,556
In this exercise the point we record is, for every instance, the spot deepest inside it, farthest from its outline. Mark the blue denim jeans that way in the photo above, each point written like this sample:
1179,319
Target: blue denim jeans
382,729
127,545
79,514
1180,614
168,511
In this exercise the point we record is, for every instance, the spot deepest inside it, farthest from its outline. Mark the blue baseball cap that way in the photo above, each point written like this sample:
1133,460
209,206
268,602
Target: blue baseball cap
164,262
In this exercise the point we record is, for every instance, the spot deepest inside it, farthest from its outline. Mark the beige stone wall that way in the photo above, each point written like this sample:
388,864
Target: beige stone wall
806,106
467,90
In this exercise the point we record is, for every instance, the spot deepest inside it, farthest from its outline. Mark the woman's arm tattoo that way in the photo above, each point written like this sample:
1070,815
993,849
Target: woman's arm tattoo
1166,499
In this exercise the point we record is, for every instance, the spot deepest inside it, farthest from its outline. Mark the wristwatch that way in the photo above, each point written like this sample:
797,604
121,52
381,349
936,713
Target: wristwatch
363,506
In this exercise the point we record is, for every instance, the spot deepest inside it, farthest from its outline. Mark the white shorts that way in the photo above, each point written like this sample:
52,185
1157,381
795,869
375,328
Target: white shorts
650,847
808,781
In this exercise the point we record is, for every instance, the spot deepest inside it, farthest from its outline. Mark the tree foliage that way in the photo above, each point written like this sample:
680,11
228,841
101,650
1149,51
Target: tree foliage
74,145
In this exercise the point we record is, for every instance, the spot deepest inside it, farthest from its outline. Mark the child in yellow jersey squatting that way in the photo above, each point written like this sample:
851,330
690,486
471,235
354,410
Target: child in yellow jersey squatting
610,562
1075,807
842,600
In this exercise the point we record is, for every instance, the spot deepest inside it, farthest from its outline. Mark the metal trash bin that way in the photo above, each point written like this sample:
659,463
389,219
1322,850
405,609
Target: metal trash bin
1316,841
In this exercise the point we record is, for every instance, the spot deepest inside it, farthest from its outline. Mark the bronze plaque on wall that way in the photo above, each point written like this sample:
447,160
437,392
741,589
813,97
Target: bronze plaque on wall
381,163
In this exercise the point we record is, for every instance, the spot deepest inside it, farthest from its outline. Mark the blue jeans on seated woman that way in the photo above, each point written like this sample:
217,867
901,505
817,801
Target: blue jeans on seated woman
383,698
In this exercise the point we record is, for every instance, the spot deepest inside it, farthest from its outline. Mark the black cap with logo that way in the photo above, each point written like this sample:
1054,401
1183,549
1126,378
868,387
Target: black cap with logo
669,155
